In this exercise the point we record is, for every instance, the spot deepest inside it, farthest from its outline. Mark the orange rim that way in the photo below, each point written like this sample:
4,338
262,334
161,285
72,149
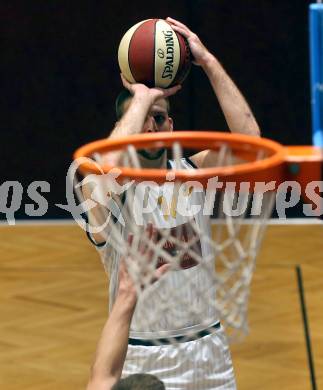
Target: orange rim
270,167
304,165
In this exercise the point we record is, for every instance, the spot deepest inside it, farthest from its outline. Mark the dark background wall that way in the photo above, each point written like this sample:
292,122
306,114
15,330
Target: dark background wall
60,75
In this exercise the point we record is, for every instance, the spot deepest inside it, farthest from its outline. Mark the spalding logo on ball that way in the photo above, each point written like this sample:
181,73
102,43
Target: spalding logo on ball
154,54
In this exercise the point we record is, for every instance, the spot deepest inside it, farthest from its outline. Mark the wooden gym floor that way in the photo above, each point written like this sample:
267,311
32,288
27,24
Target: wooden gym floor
53,306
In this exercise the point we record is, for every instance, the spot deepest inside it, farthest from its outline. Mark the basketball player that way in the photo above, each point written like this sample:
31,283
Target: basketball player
203,360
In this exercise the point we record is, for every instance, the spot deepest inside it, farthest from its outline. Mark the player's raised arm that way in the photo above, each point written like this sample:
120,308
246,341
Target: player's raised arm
132,122
112,347
134,112
236,110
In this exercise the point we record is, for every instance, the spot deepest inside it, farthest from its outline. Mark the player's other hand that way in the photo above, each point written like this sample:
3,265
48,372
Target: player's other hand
153,94
199,51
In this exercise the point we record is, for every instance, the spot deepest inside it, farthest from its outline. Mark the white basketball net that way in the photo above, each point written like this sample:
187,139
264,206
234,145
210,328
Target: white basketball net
211,252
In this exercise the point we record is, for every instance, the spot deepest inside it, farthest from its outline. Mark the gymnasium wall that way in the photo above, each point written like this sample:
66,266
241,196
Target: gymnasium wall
60,76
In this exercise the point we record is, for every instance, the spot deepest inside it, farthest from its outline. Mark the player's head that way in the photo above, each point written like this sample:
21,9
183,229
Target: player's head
158,118
139,382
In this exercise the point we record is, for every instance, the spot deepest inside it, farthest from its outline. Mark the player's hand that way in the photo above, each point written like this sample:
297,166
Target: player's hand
198,50
151,93
139,270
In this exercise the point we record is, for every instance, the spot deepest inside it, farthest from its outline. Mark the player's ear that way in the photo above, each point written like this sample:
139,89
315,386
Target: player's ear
171,124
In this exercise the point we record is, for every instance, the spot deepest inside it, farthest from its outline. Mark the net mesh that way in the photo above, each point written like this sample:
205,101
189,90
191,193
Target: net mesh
208,237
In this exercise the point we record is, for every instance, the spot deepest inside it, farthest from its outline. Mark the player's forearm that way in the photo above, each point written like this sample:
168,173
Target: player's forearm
133,120
234,106
112,346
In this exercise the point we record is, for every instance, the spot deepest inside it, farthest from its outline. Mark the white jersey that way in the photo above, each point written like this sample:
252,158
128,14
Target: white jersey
180,303
191,290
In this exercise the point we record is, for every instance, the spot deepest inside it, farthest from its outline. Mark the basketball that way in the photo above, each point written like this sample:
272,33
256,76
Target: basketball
154,54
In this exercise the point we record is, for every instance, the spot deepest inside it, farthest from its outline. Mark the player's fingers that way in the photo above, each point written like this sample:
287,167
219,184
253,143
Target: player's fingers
125,83
172,90
149,230
182,31
153,241
123,268
130,243
178,23
130,239
160,272
143,244
154,235
123,80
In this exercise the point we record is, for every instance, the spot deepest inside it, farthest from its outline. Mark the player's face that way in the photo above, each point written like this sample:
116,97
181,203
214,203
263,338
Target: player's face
157,118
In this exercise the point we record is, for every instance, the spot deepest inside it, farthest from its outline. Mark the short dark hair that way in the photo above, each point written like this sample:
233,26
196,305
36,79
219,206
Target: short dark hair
125,95
139,382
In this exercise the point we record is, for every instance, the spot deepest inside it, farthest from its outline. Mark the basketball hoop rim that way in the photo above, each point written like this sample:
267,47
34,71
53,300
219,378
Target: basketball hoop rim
269,167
